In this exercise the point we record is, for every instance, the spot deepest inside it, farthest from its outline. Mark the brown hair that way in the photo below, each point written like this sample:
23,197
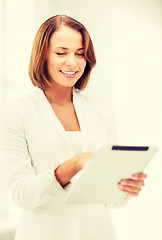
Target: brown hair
38,66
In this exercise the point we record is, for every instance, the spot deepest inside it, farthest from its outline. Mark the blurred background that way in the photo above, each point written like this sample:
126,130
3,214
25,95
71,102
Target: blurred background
127,36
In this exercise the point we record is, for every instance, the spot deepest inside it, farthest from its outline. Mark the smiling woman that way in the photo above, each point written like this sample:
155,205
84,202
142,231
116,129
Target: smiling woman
49,135
65,57
66,31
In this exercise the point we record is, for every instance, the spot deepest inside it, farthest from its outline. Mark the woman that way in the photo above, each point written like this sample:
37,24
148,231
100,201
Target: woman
49,135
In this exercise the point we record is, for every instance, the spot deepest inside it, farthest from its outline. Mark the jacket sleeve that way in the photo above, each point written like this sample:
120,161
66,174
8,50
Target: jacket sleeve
28,189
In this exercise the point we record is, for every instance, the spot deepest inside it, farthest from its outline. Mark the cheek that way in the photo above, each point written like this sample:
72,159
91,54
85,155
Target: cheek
83,64
53,64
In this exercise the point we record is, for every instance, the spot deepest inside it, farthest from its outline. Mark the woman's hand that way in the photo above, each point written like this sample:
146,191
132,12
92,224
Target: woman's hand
132,186
65,171
82,159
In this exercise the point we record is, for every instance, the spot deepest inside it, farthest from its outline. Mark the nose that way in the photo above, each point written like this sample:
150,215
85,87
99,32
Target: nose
71,61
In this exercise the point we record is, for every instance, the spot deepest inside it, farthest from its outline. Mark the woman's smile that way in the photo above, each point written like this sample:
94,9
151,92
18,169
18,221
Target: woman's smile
69,74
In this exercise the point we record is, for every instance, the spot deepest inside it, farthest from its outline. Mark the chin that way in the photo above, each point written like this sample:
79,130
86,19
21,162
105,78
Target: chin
69,83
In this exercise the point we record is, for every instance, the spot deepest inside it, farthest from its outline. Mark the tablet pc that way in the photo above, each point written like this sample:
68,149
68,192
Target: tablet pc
97,182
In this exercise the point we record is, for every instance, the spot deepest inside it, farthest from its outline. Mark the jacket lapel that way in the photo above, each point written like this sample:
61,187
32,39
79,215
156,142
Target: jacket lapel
48,114
81,111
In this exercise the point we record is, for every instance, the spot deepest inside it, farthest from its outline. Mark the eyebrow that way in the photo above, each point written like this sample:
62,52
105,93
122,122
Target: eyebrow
64,48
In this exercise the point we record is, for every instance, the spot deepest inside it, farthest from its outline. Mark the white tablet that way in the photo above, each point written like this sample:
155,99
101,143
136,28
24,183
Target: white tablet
97,182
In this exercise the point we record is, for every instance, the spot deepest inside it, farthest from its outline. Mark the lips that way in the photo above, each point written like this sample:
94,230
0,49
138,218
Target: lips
69,74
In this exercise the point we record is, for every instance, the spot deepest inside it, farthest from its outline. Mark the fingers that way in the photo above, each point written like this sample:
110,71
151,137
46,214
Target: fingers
132,186
132,182
130,190
83,156
87,155
140,176
82,159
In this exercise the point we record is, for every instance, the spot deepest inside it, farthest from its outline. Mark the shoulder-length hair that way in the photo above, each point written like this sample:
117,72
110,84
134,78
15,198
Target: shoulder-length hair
38,65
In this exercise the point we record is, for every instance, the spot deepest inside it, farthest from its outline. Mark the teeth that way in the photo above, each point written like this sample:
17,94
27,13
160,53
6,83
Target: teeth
70,73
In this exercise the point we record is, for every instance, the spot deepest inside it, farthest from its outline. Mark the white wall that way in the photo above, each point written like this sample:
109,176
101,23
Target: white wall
17,38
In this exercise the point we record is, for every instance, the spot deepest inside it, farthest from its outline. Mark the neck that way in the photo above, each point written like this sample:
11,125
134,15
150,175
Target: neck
59,95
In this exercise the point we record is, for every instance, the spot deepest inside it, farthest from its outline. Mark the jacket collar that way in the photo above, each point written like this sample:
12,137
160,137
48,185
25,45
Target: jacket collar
40,98
47,112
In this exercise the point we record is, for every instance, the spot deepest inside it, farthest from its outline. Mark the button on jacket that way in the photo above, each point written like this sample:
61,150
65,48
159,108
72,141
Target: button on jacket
34,143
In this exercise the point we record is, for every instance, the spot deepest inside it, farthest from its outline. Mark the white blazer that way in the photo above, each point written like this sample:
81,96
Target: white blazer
34,143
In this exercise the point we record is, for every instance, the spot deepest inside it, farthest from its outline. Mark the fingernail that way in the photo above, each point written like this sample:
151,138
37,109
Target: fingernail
120,186
123,182
134,176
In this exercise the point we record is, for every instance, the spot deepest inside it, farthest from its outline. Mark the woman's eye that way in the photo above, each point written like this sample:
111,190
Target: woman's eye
59,53
81,54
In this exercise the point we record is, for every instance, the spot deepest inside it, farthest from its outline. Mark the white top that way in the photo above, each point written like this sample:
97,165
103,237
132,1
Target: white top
76,141
75,138
33,148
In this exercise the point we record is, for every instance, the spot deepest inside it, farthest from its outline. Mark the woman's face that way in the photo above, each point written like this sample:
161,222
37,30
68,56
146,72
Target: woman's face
65,58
